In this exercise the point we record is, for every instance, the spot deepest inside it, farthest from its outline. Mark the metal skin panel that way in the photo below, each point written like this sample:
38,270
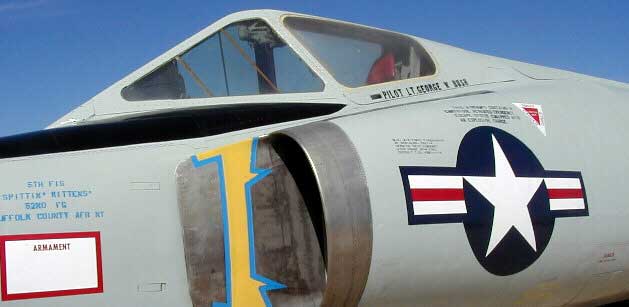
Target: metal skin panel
199,199
285,248
434,264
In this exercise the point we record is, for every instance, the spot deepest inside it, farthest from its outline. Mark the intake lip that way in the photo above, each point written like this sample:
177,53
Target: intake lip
345,205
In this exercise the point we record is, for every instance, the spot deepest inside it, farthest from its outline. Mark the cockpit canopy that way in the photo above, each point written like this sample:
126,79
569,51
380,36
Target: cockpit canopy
249,57
358,56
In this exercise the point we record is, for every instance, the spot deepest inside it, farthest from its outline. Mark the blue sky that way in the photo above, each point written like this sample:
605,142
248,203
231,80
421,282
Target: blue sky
56,54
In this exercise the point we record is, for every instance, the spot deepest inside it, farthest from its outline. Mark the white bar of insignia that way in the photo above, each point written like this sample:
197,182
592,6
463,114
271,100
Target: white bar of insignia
439,207
435,182
562,183
567,204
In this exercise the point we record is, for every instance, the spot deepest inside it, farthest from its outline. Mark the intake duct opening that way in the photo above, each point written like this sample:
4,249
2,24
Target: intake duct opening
329,175
297,163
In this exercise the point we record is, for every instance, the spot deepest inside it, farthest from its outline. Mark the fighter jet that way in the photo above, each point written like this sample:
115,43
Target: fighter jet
280,159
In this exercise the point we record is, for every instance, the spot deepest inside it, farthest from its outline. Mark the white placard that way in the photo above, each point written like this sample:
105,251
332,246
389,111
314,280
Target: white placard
51,265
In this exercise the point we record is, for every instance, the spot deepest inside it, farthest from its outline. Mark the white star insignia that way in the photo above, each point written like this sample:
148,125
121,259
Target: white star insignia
510,196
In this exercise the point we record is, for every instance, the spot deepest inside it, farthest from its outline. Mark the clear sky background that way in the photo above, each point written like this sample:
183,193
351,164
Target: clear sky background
56,54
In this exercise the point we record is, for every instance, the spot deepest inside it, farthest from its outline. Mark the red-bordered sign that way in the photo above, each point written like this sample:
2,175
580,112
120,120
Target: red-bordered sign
73,253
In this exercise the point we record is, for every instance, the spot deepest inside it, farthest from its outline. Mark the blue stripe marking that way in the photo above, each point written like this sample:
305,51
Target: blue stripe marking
268,284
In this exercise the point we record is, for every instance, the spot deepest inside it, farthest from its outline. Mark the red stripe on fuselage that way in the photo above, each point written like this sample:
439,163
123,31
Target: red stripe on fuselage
437,194
565,193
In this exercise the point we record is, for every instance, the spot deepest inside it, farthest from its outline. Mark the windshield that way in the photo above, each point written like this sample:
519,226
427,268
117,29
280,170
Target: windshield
244,58
358,56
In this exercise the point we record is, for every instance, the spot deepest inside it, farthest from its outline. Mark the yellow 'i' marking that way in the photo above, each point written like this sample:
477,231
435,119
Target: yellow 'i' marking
237,173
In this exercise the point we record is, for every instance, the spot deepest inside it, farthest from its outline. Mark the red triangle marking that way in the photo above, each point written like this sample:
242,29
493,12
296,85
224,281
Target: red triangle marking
534,113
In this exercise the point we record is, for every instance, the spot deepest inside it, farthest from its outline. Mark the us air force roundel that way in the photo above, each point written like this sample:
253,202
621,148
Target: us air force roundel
501,193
